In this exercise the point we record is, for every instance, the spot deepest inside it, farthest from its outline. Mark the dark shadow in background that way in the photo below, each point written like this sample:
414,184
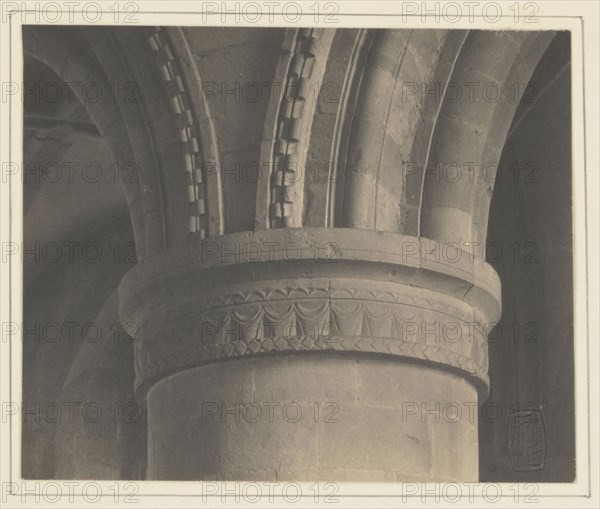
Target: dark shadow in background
527,426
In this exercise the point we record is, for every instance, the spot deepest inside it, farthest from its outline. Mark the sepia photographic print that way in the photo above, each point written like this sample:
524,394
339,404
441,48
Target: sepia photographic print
295,254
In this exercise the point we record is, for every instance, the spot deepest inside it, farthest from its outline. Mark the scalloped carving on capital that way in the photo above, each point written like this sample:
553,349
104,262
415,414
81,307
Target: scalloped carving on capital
324,315
311,290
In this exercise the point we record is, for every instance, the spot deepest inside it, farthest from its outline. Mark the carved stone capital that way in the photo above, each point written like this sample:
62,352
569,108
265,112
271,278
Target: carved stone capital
311,290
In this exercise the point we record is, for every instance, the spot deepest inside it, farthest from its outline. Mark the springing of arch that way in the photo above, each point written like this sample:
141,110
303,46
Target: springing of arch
407,127
69,54
470,135
142,130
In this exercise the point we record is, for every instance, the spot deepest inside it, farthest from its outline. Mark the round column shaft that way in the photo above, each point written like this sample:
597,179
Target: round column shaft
312,354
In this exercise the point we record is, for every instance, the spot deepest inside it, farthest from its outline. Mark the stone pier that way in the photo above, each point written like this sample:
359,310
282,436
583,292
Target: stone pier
313,353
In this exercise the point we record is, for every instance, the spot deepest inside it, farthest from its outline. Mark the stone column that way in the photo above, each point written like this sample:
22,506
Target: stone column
312,354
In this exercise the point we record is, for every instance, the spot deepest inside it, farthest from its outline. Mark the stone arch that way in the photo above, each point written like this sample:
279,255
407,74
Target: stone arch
183,134
470,133
169,136
280,197
69,55
324,188
171,126
390,124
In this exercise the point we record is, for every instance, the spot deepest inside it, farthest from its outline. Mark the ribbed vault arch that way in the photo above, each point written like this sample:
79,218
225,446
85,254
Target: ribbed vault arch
164,127
408,131
469,134
71,57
